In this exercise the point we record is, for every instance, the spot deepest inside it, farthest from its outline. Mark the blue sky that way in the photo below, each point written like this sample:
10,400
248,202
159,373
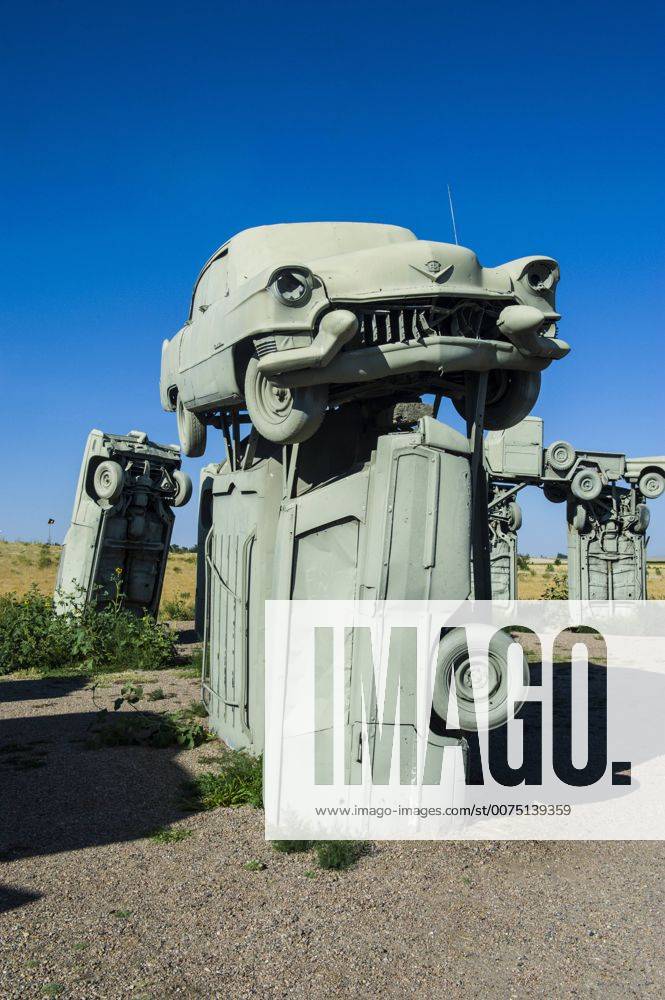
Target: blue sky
138,137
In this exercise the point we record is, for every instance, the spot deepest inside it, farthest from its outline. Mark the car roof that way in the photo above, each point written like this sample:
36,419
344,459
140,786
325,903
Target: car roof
255,249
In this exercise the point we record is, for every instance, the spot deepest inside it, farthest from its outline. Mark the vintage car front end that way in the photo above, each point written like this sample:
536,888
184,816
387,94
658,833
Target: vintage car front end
423,314
288,319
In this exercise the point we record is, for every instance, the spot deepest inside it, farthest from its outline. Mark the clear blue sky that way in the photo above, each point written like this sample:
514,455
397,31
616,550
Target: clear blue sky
138,137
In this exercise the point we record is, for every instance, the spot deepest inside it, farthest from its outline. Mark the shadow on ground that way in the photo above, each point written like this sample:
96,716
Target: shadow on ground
58,794
10,898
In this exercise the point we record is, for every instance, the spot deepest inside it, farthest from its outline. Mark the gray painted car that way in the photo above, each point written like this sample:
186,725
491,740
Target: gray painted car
287,320
360,515
117,544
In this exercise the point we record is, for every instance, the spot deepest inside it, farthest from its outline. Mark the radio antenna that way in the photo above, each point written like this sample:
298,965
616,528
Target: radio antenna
452,213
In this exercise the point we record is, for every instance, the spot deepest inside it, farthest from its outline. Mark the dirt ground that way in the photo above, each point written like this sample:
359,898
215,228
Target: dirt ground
92,907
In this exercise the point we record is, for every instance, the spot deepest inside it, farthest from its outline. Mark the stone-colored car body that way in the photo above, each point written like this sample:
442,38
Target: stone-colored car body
504,520
117,545
333,539
607,523
518,454
607,547
378,305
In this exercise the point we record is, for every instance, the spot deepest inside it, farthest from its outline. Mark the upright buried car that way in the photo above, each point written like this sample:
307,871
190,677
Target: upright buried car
289,319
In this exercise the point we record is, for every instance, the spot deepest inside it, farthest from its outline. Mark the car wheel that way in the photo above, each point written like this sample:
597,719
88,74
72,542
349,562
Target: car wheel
555,493
642,518
586,484
285,416
652,484
580,518
481,682
183,488
510,398
560,456
191,431
514,516
108,481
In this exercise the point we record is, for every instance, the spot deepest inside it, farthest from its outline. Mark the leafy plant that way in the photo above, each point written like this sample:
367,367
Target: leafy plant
239,782
131,693
339,854
292,846
179,608
156,694
557,590
170,835
335,854
523,562
254,866
141,729
34,635
196,709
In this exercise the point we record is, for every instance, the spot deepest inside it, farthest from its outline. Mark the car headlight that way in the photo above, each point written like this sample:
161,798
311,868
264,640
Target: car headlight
541,275
292,286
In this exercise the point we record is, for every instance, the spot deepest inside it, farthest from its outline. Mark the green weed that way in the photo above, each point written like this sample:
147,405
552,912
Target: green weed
170,835
166,729
179,608
292,846
339,854
238,782
86,639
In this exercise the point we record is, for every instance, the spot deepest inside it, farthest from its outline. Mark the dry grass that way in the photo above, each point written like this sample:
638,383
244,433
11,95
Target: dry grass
24,564
533,582
27,564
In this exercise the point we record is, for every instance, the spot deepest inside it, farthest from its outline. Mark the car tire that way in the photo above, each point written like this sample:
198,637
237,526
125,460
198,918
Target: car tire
651,484
555,493
183,491
191,431
514,516
642,518
108,481
511,396
284,416
586,484
455,660
560,456
580,519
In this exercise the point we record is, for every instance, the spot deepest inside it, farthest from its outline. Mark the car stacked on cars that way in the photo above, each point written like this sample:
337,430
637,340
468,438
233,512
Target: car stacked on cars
289,320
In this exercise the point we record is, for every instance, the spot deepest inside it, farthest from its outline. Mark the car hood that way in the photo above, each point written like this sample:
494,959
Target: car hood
413,268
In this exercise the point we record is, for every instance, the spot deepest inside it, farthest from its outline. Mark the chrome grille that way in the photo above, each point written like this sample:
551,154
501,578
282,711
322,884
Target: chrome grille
406,321
389,326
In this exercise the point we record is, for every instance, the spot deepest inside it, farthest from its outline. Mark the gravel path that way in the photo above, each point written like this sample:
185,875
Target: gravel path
92,908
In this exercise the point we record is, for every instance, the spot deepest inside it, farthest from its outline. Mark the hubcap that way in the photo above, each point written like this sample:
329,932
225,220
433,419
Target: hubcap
276,401
476,680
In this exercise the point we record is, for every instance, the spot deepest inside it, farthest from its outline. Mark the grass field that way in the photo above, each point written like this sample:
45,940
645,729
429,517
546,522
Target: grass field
542,573
27,564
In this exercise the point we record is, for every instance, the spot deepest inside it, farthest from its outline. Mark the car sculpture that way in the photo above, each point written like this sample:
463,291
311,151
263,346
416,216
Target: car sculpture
117,544
288,320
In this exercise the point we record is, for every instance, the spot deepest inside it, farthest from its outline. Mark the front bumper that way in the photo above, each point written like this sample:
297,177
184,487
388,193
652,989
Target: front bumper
324,361
432,354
